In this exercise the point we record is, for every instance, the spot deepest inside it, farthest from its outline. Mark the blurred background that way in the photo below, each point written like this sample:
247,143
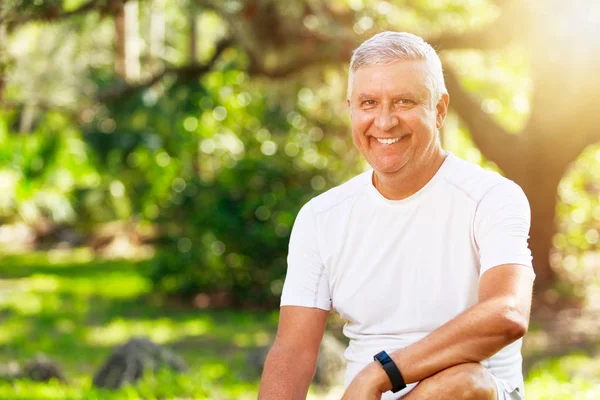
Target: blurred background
154,154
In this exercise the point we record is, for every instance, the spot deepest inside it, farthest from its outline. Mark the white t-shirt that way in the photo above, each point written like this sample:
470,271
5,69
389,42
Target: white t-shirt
398,269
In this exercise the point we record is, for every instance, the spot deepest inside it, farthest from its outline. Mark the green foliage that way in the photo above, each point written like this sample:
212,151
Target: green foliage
74,309
219,161
163,385
222,168
218,165
41,172
574,376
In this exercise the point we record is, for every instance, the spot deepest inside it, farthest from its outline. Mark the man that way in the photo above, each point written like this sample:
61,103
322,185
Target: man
425,255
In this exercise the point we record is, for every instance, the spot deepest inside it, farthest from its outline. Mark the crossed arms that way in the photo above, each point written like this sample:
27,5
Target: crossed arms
500,317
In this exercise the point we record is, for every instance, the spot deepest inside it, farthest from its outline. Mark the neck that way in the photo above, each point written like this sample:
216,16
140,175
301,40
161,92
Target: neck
408,180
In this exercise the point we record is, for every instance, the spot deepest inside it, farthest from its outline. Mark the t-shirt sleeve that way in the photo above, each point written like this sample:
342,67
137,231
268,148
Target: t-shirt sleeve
502,222
306,282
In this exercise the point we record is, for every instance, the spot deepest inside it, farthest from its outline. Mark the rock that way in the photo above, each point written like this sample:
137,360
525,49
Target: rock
42,369
10,371
256,359
129,361
120,240
331,364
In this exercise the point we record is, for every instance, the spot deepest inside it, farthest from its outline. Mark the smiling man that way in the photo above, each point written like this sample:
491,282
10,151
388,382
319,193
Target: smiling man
425,255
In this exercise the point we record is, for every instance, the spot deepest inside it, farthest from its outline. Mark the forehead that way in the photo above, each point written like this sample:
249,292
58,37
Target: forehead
400,76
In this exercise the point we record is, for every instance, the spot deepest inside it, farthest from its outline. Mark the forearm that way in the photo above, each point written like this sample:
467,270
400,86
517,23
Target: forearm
472,336
287,374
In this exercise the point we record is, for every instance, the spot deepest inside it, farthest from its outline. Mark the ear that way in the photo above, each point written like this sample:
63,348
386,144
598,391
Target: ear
442,110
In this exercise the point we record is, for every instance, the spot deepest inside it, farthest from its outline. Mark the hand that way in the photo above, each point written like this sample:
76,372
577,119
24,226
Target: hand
369,384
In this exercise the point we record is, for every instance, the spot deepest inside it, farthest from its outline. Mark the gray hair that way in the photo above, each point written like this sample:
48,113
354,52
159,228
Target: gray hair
387,47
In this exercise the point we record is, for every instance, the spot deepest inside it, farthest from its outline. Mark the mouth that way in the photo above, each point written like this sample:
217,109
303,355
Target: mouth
389,141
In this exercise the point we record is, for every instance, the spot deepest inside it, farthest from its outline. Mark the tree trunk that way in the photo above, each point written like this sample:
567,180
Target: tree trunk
555,136
120,41
540,184
193,37
127,41
3,62
132,41
157,35
561,125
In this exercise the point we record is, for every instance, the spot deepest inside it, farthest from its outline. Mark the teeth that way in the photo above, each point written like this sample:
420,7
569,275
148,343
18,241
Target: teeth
388,141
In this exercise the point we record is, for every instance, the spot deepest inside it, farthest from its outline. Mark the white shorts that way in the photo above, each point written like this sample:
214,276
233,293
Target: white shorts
507,391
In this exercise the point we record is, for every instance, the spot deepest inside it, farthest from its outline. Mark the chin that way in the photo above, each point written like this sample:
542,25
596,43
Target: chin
389,168
390,171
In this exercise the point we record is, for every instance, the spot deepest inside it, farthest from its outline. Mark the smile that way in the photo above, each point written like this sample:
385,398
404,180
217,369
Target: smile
388,141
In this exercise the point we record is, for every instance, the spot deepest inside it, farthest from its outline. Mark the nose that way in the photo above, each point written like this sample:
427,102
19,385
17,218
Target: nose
385,120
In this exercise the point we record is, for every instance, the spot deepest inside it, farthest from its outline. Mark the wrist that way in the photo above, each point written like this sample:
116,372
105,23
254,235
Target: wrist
395,380
378,378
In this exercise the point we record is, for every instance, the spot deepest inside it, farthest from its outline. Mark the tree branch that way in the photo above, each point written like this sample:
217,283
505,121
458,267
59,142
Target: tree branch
296,65
39,105
122,91
187,71
50,14
484,39
491,138
495,35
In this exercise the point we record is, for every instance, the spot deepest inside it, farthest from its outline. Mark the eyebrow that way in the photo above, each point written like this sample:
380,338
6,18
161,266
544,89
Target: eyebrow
411,95
365,96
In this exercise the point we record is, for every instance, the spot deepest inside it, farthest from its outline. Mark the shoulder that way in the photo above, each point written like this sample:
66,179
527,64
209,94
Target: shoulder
479,184
341,194
325,205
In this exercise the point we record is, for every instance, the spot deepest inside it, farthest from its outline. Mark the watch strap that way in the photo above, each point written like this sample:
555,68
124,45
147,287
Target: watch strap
391,369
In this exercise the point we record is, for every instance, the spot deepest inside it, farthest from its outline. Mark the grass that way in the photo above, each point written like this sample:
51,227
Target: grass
75,310
575,376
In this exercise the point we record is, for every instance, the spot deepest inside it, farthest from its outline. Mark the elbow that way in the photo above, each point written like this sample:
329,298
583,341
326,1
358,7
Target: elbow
514,322
515,331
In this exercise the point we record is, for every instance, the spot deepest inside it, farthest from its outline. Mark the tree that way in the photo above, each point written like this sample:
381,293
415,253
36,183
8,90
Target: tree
561,40
562,64
281,39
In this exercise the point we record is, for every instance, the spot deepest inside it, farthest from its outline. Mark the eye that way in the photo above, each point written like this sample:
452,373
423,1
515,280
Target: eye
405,102
368,103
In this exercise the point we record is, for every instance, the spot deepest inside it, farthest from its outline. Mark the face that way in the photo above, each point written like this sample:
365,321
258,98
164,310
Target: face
394,124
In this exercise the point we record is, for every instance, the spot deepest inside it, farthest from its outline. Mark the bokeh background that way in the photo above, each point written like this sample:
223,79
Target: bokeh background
154,154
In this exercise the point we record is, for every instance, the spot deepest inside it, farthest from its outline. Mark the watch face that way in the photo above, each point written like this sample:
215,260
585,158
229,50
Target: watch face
383,357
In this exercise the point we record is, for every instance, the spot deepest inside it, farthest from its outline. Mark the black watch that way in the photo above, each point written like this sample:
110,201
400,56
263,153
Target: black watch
392,371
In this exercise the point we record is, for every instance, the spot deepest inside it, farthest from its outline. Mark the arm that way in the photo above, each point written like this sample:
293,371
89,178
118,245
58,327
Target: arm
500,318
305,305
291,362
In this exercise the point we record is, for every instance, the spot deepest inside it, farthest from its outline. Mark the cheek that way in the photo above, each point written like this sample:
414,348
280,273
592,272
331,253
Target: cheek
421,124
361,122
